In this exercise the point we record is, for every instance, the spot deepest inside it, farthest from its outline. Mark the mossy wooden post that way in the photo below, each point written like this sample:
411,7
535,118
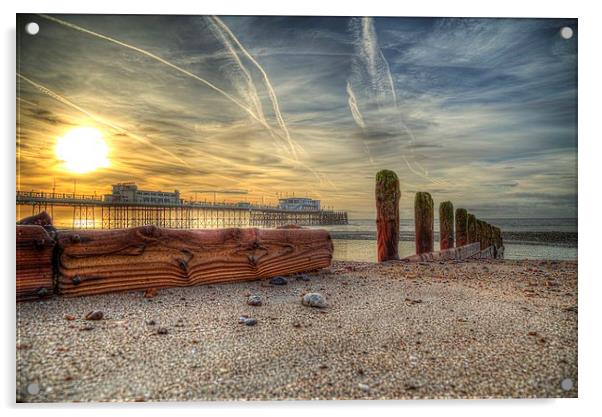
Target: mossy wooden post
424,218
446,225
387,215
461,227
471,228
480,233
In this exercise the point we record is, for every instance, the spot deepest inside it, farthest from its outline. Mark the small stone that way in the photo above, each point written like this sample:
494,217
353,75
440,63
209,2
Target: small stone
151,322
69,317
150,293
364,387
254,300
94,315
532,333
303,277
87,328
250,322
314,299
162,330
278,281
243,318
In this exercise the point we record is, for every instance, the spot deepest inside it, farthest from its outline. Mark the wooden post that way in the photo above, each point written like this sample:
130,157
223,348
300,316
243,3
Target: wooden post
471,228
446,225
424,219
461,227
387,215
481,233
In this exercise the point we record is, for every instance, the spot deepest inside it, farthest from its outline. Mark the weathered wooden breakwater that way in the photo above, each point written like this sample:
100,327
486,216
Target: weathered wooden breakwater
74,263
474,238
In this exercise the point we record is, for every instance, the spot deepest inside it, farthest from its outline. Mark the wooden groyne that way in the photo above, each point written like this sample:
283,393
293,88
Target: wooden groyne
95,262
474,238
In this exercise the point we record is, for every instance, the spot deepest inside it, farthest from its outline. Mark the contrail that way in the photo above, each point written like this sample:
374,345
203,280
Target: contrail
271,92
98,119
181,70
359,119
380,84
161,60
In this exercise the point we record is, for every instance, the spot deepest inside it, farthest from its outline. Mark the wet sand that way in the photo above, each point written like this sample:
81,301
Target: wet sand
477,329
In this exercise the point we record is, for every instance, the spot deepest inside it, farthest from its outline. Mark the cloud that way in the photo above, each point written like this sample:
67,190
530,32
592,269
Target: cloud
490,103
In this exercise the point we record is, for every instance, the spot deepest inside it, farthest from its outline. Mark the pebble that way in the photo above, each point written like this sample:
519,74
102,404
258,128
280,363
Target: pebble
151,322
150,293
278,281
364,387
69,317
314,299
303,277
94,315
162,330
250,322
254,300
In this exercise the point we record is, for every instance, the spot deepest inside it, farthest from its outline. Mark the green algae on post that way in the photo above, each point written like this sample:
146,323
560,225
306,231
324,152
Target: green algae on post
387,195
424,219
446,225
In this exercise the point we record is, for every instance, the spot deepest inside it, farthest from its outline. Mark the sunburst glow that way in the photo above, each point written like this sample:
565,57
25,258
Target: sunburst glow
82,149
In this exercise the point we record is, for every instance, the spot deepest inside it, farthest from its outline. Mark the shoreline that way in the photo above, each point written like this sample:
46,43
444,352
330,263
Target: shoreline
558,239
396,330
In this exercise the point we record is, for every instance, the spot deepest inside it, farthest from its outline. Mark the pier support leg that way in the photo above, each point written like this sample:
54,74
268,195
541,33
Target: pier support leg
387,215
424,222
446,225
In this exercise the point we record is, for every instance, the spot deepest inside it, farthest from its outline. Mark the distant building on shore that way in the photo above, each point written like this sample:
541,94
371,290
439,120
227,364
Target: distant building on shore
299,204
128,192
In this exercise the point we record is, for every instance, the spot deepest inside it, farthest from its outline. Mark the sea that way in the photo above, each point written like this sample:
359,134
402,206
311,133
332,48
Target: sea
550,239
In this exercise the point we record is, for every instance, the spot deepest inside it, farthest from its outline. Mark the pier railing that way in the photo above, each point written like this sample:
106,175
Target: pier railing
91,211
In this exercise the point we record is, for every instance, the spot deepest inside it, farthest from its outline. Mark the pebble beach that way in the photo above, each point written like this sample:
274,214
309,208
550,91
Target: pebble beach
358,330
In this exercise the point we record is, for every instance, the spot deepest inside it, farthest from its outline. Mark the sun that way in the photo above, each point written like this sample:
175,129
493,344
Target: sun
82,149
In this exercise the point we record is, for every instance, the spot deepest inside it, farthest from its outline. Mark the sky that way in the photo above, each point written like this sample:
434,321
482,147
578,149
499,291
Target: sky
481,112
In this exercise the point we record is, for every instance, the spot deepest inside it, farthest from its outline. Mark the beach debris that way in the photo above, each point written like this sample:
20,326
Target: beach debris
94,315
151,322
387,194
254,300
314,299
69,317
411,301
87,328
162,330
278,281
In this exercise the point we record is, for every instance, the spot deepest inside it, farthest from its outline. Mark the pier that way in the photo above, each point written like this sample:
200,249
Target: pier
92,212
